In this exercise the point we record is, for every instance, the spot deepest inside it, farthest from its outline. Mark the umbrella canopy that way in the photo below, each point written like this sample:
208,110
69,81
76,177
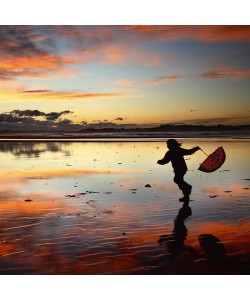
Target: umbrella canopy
214,161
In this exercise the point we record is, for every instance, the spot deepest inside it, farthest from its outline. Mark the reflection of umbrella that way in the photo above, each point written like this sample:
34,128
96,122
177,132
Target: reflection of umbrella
214,161
213,248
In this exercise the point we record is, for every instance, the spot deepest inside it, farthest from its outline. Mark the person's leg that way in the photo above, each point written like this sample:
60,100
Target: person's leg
183,185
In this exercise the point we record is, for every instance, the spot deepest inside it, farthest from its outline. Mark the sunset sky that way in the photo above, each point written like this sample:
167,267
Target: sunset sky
70,77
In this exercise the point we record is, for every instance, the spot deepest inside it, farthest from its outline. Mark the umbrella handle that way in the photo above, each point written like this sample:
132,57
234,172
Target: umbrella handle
204,152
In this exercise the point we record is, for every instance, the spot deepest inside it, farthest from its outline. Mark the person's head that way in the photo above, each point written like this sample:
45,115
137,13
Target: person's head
173,144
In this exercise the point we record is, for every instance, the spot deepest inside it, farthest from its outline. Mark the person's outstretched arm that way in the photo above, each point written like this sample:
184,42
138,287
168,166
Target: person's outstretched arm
165,160
190,151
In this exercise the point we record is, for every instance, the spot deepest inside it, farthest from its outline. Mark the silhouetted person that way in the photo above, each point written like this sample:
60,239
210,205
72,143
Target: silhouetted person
175,155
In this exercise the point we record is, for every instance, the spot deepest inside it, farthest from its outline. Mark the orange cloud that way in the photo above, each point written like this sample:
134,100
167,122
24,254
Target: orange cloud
227,74
113,55
205,33
41,61
24,50
122,53
27,54
125,83
37,66
224,33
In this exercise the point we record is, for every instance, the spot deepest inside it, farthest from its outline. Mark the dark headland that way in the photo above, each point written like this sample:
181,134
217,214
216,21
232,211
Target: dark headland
162,131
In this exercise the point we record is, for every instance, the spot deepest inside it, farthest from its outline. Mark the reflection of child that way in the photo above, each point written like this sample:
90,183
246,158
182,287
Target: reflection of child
175,155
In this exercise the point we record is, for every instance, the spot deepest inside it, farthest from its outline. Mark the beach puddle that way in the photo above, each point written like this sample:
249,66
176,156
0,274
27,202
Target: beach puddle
108,208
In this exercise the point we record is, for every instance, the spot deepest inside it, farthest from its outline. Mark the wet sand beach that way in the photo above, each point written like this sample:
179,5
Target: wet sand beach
96,207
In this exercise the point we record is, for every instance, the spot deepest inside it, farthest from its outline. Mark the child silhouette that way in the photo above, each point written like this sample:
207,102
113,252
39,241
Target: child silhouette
175,155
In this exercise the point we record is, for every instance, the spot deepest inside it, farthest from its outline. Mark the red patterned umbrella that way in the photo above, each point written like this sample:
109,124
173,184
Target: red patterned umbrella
214,161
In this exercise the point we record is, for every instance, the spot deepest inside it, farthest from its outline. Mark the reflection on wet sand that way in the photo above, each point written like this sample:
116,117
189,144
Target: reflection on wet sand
97,217
32,149
182,259
214,249
175,241
211,257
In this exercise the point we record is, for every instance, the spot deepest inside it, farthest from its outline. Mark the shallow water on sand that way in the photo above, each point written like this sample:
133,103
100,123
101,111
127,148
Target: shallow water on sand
83,208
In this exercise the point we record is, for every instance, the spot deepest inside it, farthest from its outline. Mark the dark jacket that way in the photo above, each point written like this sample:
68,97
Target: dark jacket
177,159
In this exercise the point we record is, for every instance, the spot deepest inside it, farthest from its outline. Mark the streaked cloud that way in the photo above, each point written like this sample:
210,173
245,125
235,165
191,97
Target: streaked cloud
227,74
66,95
38,91
162,80
24,96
